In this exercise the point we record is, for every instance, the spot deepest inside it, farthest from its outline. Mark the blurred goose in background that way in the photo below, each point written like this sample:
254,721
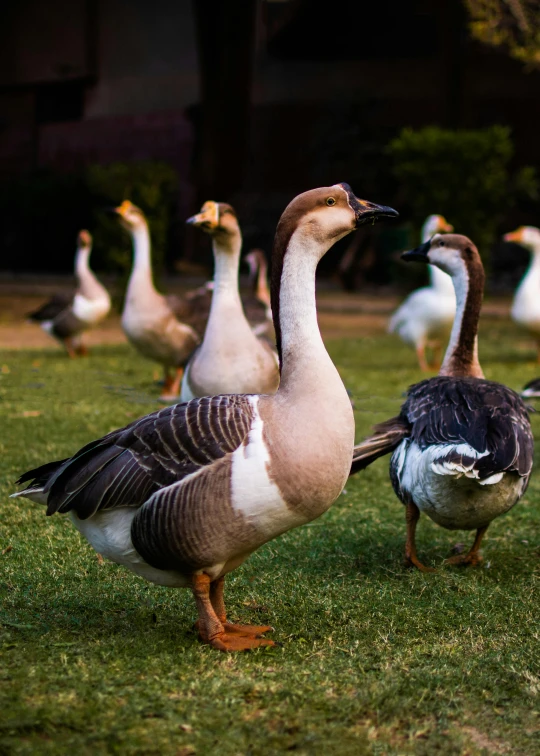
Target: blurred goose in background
531,390
257,304
193,308
231,358
67,316
463,446
183,496
526,305
426,316
147,319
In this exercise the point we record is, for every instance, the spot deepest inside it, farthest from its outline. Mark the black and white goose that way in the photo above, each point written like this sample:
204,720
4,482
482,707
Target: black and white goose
67,316
184,495
231,358
463,447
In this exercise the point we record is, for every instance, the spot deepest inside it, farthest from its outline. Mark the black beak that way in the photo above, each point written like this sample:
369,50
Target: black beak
365,211
420,254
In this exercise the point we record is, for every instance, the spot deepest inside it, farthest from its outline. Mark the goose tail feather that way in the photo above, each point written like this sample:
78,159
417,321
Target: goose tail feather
386,438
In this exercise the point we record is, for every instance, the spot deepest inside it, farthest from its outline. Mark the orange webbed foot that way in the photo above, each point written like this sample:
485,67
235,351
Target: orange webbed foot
230,642
415,562
464,560
253,631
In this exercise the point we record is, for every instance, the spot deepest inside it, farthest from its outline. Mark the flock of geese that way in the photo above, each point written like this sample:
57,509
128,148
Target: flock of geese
262,441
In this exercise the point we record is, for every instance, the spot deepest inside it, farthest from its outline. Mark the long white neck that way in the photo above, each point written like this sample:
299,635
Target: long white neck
306,367
226,263
141,273
531,279
461,358
82,257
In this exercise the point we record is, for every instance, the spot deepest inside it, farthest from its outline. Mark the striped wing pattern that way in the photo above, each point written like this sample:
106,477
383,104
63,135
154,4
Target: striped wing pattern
485,415
125,467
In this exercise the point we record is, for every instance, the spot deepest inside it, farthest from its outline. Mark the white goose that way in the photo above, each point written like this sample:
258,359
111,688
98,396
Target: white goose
526,305
426,316
231,358
147,319
184,495
463,447
66,317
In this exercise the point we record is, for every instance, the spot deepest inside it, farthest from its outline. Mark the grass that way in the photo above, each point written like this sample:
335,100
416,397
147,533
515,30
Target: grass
374,659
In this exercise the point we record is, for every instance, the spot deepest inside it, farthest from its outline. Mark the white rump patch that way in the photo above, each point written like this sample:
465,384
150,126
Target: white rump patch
442,466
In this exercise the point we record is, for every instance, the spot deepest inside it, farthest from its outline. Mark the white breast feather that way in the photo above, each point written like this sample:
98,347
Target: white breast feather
90,310
254,494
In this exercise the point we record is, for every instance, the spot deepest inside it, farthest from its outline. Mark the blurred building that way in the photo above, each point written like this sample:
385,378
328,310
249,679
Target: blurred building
246,99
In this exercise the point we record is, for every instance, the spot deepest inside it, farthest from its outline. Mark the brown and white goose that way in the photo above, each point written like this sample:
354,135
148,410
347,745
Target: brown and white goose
147,319
231,358
463,447
65,316
184,495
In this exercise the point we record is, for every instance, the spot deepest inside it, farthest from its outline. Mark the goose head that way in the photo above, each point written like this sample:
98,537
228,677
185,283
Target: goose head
436,224
131,217
217,219
452,253
326,215
84,239
527,236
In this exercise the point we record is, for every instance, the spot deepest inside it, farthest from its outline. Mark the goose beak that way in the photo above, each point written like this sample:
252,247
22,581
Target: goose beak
365,211
513,236
122,209
445,227
208,218
419,254
84,238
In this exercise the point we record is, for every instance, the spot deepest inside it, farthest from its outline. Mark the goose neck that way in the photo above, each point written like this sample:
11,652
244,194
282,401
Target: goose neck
141,250
304,361
461,358
82,257
226,262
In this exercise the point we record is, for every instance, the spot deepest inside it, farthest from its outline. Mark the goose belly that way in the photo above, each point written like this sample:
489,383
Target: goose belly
448,496
109,533
154,338
426,314
90,311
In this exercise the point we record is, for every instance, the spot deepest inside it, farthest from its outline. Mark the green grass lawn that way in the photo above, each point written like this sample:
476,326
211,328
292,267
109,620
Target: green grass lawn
373,658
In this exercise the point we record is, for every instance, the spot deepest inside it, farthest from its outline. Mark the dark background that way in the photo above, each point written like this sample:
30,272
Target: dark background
248,101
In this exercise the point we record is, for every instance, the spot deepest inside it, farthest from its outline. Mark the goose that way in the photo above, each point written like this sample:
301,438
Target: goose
257,306
462,446
426,316
184,495
231,358
147,319
526,305
531,390
65,316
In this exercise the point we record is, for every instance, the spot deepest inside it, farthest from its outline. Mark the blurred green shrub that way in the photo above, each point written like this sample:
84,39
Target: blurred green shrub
464,175
41,213
151,186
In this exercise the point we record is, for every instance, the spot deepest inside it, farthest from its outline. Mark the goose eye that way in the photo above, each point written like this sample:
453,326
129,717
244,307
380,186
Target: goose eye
330,201
441,244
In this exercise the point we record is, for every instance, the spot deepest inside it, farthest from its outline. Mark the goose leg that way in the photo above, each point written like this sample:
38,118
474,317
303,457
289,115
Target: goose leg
421,355
70,348
167,380
211,629
473,557
171,387
412,515
216,597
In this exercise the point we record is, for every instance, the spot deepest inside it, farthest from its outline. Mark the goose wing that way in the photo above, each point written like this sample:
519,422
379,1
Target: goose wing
125,467
52,308
193,308
479,424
